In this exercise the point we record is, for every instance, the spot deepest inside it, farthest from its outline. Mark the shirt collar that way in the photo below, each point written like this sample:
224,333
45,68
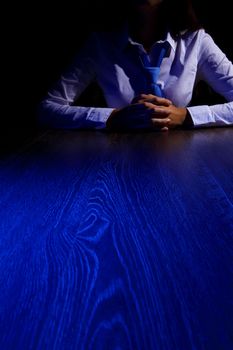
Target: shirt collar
168,38
122,39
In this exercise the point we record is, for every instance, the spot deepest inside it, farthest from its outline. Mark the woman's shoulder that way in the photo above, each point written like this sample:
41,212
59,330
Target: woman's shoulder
198,35
200,39
207,49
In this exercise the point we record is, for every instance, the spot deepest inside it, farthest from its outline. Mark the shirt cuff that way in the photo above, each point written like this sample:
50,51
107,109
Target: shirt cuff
99,116
201,116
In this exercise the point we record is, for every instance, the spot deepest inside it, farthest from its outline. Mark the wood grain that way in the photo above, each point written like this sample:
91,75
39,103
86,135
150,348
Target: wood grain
118,241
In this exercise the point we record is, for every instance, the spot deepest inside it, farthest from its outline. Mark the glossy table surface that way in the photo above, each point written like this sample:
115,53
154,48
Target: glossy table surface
118,241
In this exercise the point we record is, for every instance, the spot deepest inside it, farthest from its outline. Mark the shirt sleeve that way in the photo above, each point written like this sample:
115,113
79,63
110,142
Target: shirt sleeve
57,109
217,71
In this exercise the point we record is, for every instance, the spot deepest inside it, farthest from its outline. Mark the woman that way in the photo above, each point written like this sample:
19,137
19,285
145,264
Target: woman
124,64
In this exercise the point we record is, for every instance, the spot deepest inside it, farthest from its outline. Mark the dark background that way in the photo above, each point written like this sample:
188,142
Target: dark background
40,39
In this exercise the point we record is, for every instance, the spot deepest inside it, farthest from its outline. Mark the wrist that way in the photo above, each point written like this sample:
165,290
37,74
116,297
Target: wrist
188,122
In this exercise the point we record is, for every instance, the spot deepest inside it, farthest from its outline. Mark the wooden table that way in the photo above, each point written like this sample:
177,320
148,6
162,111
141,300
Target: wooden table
118,241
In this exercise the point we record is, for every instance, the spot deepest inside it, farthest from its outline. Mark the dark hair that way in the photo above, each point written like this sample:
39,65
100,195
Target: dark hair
180,15
175,15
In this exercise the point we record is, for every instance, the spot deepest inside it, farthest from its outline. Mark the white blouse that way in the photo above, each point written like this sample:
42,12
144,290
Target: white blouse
113,60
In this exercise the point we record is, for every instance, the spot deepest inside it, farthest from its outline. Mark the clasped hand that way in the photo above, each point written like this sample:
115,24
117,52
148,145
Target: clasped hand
148,111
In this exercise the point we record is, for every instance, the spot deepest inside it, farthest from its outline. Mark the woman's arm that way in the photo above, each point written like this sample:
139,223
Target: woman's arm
217,71
57,109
